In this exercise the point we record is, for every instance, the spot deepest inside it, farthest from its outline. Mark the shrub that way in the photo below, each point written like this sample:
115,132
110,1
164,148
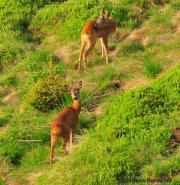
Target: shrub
47,93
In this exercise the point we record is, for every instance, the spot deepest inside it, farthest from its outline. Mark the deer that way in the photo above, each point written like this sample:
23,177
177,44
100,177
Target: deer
66,121
93,30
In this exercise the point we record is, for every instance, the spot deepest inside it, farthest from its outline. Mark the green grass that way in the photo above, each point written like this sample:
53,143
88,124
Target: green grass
131,133
36,157
130,137
165,167
5,117
132,47
152,66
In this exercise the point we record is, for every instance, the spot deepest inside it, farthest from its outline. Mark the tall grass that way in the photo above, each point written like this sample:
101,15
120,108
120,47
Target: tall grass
132,47
152,66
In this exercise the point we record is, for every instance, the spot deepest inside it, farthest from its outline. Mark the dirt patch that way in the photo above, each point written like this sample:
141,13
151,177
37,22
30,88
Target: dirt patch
64,53
176,21
134,83
140,36
4,91
33,176
11,98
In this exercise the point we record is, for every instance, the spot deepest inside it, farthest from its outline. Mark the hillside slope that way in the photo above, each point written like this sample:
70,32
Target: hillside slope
122,133
131,139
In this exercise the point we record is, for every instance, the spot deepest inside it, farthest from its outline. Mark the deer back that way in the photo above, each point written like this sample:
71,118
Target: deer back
109,27
68,117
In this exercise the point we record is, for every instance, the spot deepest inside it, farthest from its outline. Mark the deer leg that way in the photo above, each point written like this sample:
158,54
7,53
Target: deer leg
71,137
102,47
83,45
54,139
64,145
105,41
90,47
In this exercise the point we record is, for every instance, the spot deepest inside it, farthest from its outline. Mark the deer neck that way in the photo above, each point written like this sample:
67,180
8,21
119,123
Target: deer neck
76,105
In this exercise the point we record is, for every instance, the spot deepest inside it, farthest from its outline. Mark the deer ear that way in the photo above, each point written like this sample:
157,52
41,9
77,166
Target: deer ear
67,88
80,84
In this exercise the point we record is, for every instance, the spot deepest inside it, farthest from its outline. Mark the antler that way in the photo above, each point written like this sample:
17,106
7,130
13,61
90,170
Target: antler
76,84
102,12
108,15
79,84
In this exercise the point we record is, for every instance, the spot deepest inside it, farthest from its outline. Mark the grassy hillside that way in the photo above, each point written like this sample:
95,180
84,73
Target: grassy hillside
122,133
129,137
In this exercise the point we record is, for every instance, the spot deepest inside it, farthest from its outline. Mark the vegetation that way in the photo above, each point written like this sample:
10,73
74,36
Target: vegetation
47,93
122,133
124,144
152,66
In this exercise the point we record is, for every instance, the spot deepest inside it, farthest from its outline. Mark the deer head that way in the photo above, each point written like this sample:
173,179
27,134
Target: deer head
74,90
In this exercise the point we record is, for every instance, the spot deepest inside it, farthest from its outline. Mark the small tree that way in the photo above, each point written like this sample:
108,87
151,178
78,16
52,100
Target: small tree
47,93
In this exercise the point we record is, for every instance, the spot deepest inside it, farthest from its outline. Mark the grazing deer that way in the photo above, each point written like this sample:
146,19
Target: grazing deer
91,31
66,121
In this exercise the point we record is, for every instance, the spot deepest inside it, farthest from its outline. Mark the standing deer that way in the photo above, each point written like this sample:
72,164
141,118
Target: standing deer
92,30
66,121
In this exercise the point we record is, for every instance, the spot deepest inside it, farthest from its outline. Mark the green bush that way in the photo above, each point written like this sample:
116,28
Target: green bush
47,93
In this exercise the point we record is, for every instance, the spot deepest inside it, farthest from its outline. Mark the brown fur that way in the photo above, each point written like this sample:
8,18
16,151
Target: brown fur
176,134
65,123
89,36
